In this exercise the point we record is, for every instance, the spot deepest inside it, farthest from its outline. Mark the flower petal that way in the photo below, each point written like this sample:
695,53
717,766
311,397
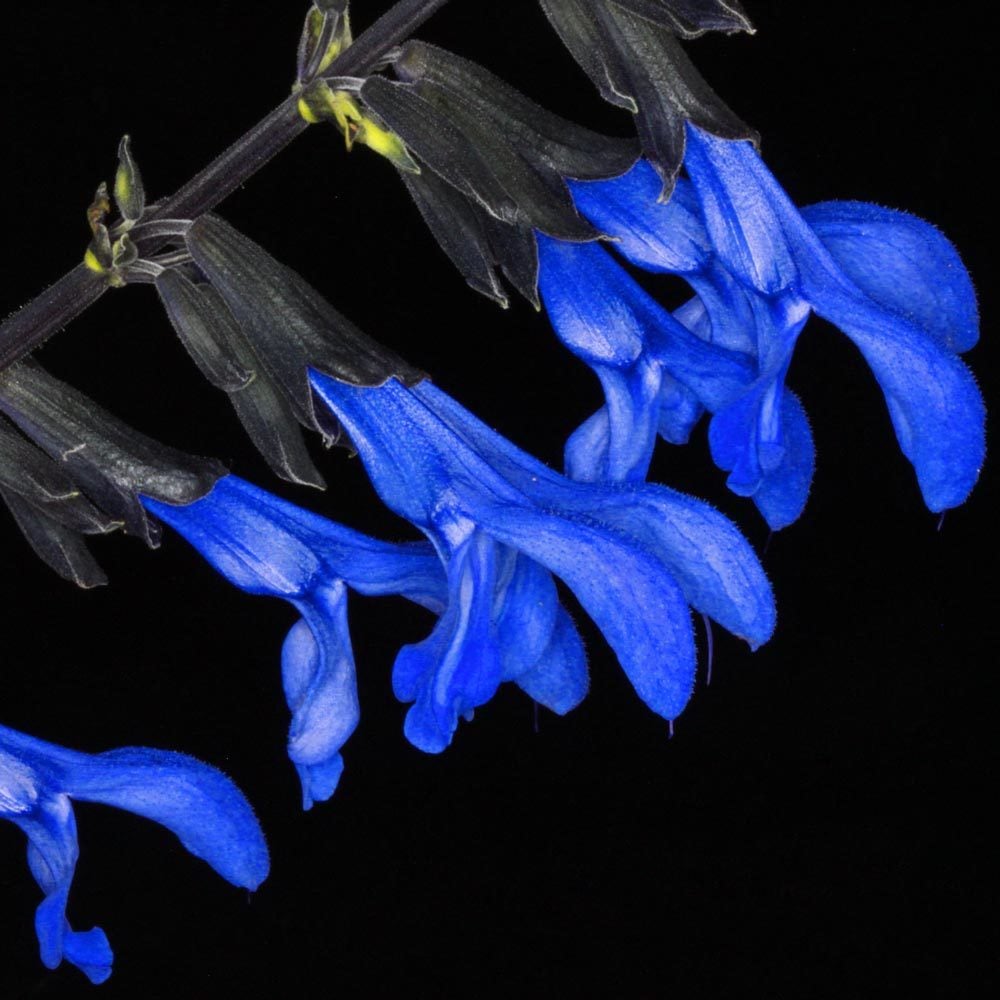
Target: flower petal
606,318
525,610
714,564
727,316
783,491
52,856
586,295
741,204
668,237
265,545
633,408
614,545
243,540
458,667
559,679
734,438
585,456
631,596
321,690
934,402
679,411
198,803
902,263
414,458
90,952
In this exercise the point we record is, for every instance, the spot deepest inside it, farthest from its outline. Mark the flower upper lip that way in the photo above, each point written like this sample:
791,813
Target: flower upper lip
39,781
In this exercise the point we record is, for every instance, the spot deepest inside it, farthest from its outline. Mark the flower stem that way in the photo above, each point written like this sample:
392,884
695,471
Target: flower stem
74,292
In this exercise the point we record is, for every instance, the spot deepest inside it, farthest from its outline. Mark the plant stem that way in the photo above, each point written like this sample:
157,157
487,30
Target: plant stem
74,292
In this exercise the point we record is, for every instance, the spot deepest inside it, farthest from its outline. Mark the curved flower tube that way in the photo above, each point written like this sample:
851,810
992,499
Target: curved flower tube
635,555
892,283
38,783
265,545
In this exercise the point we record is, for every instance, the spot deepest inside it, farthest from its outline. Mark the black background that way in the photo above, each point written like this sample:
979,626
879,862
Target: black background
812,827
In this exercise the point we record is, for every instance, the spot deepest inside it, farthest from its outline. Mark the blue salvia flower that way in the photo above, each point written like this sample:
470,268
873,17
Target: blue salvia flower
636,556
660,371
38,784
265,545
892,283
658,376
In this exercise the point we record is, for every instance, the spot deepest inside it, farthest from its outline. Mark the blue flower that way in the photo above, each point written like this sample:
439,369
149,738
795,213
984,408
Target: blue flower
658,376
503,622
38,783
636,556
892,283
265,545
660,371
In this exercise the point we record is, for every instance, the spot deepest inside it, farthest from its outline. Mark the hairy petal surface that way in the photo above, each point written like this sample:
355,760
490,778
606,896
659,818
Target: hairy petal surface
200,805
904,264
634,556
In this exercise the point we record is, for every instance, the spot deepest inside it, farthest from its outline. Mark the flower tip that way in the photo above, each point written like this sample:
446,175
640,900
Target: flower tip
423,735
764,624
89,951
761,629
99,974
247,862
319,781
255,872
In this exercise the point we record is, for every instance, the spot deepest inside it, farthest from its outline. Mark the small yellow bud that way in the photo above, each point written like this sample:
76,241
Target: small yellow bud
387,144
91,262
341,40
130,196
307,113
319,102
